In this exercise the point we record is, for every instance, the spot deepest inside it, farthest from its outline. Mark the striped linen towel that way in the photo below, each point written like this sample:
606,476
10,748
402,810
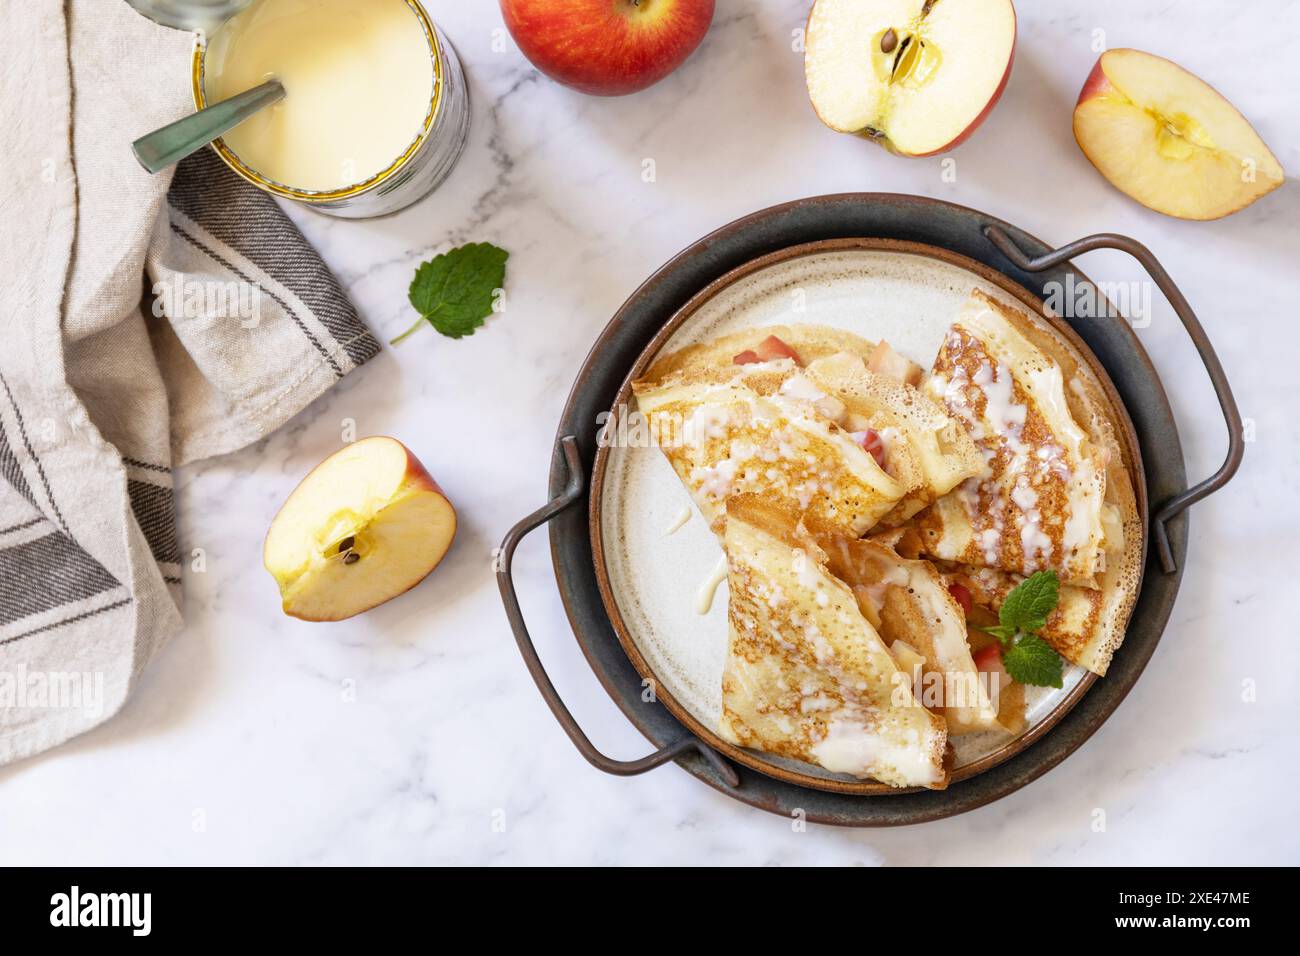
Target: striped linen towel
147,322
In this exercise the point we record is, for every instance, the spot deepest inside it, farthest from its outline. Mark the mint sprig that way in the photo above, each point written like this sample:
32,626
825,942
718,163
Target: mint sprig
1029,659
455,291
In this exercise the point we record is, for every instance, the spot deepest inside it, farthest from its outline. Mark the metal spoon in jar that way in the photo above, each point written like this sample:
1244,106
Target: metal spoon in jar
173,142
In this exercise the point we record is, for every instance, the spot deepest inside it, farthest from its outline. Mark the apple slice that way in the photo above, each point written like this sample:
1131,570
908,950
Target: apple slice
917,76
1168,139
367,524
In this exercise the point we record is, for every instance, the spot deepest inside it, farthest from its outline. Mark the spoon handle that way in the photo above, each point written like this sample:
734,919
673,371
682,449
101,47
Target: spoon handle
173,142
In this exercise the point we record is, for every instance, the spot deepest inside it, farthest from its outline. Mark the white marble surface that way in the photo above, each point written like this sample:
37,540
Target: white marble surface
242,724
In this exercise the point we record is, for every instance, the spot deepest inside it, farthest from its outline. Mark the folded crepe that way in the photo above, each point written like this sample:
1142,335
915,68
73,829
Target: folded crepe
921,440
715,358
1057,492
794,422
807,676
1054,493
910,606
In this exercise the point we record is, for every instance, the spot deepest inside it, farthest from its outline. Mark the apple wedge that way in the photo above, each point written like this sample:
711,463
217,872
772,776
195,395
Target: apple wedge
367,524
916,76
1168,139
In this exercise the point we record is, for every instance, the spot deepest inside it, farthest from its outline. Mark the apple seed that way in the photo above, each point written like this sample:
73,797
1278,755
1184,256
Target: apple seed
351,558
888,41
347,543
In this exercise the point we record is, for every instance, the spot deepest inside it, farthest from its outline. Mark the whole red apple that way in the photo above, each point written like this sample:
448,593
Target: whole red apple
607,47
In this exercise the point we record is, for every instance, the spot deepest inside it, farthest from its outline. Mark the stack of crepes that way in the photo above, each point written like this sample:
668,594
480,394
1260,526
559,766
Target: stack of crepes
874,516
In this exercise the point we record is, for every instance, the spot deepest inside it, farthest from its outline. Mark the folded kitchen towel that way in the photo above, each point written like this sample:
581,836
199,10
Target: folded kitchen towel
148,321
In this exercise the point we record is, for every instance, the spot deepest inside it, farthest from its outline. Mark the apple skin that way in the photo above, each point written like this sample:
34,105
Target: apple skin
607,47
1097,84
417,476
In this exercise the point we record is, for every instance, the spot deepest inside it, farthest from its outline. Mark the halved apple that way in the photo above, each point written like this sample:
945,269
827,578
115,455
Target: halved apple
1168,139
367,524
916,76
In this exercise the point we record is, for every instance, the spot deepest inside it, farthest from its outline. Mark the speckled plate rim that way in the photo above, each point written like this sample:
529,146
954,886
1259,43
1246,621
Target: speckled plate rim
788,770
846,215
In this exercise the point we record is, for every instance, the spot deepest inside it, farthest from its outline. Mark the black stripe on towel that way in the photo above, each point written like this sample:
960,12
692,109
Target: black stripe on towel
12,472
234,270
22,526
67,620
46,573
252,224
155,509
137,463
21,484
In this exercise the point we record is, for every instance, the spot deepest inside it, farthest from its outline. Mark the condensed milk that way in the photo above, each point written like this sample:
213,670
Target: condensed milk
375,112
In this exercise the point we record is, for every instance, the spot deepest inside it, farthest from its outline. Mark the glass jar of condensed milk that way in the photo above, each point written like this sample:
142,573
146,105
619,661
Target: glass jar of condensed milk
375,113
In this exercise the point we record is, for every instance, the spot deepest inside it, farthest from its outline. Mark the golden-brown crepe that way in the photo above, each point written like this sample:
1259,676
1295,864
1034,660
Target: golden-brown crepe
807,676
1055,494
916,431
724,439
715,357
908,602
773,427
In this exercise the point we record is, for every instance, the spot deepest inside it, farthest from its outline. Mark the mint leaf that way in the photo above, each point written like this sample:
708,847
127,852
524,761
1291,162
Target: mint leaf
1027,606
1031,660
454,291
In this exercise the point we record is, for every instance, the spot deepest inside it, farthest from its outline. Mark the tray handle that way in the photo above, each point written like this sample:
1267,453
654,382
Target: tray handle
571,494
1236,441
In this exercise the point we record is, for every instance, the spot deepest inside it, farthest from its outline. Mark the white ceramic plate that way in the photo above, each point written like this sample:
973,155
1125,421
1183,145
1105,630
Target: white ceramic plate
656,576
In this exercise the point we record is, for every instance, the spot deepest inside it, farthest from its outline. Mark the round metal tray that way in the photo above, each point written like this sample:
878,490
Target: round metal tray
1018,256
